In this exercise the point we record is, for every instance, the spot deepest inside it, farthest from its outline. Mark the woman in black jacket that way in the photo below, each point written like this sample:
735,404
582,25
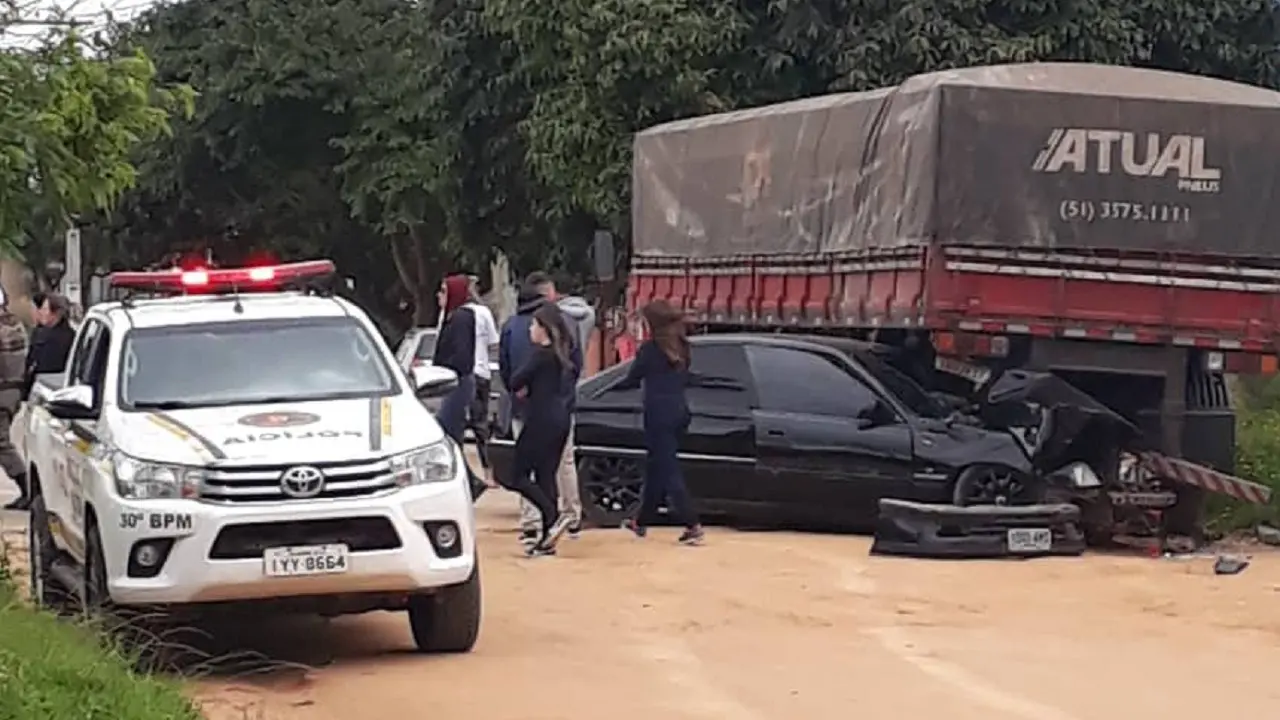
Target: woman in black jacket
546,383
456,350
661,365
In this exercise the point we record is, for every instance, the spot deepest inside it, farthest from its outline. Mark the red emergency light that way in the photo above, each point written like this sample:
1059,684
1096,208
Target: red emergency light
216,280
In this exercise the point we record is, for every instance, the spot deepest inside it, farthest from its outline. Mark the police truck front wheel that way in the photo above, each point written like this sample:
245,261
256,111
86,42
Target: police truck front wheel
42,552
95,595
447,621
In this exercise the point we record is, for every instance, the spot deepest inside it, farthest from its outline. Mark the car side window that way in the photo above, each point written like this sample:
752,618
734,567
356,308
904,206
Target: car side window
798,381
723,378
96,369
81,352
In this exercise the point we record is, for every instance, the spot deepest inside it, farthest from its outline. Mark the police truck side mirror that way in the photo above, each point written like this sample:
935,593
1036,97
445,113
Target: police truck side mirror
72,403
433,381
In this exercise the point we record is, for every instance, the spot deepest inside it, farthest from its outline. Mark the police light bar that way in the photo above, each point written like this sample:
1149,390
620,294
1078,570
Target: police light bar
214,280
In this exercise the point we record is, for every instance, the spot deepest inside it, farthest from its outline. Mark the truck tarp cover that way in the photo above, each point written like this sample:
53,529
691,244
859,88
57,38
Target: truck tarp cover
1043,156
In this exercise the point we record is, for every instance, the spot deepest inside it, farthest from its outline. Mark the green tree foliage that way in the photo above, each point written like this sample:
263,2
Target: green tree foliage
69,122
410,137
380,132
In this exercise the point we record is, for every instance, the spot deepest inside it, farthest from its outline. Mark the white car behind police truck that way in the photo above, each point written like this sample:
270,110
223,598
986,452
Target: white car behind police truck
242,444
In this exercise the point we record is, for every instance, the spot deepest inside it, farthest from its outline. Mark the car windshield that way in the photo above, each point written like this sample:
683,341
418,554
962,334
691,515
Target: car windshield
902,387
242,363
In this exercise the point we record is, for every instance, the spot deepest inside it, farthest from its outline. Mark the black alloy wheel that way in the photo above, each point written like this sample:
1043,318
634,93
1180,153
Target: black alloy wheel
995,485
610,489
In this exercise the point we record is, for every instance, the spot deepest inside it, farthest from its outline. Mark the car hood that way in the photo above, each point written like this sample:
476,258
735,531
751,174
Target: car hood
943,445
1057,419
320,431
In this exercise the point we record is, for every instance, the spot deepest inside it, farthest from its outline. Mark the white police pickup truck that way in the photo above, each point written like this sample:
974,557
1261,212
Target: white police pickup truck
246,444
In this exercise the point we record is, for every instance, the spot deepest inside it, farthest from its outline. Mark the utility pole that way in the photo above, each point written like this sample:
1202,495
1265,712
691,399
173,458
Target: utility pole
71,278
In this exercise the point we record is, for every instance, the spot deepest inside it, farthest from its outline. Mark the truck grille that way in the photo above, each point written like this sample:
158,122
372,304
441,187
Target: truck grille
250,540
261,483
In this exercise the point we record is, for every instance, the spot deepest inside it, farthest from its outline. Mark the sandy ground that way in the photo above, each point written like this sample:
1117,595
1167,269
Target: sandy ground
783,625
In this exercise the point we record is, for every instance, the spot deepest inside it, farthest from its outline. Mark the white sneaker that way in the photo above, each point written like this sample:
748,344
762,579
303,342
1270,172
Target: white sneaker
558,530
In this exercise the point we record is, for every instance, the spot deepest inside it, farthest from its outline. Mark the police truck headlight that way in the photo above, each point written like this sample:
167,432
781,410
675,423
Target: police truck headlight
433,463
142,480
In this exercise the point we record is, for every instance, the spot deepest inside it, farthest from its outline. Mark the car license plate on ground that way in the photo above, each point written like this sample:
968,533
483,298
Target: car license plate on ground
305,560
1029,540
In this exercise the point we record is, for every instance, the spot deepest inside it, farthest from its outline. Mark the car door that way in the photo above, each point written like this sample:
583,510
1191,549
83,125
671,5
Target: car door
608,424
829,445
85,447
718,453
70,441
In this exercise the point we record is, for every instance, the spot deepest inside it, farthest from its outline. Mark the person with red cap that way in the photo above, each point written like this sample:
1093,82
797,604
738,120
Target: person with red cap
456,350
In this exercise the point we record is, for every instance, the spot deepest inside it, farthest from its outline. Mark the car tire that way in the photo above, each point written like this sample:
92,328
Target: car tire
447,621
94,596
42,551
610,489
983,484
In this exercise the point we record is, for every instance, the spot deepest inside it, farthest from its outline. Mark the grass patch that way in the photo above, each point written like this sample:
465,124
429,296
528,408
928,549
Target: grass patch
1257,459
1257,455
52,669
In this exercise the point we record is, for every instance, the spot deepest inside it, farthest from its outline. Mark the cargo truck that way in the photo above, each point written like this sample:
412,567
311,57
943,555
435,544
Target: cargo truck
1114,226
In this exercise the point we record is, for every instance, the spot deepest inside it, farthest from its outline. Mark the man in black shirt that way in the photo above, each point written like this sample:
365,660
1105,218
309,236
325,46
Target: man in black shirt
50,341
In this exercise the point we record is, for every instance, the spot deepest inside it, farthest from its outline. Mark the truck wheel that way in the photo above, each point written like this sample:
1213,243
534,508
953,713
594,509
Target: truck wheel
449,620
996,485
95,597
610,489
41,550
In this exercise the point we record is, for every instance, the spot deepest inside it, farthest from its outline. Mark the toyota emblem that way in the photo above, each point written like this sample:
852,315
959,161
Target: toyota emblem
302,482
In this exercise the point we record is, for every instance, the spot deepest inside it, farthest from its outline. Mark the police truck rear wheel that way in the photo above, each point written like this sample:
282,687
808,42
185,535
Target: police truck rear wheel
449,620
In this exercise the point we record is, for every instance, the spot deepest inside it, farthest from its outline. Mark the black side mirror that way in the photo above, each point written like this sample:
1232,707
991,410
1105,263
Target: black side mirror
877,414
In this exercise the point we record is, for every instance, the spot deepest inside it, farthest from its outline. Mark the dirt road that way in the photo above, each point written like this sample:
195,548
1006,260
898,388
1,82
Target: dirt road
758,626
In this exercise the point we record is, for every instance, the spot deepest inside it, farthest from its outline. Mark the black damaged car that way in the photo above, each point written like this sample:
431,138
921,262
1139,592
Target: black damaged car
798,429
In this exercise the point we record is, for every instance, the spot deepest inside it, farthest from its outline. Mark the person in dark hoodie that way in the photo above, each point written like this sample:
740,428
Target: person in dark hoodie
581,320
545,381
50,340
456,350
661,365
514,347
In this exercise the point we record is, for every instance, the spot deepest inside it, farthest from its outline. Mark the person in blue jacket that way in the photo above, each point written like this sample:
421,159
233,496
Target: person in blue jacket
661,366
514,347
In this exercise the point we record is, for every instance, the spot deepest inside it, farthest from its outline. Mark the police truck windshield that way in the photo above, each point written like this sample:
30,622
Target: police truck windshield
242,363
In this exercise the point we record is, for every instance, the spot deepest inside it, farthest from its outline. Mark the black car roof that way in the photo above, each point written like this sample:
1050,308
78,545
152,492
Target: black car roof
844,345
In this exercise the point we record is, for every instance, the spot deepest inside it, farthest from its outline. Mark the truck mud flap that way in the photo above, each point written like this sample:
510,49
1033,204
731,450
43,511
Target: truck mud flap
921,530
